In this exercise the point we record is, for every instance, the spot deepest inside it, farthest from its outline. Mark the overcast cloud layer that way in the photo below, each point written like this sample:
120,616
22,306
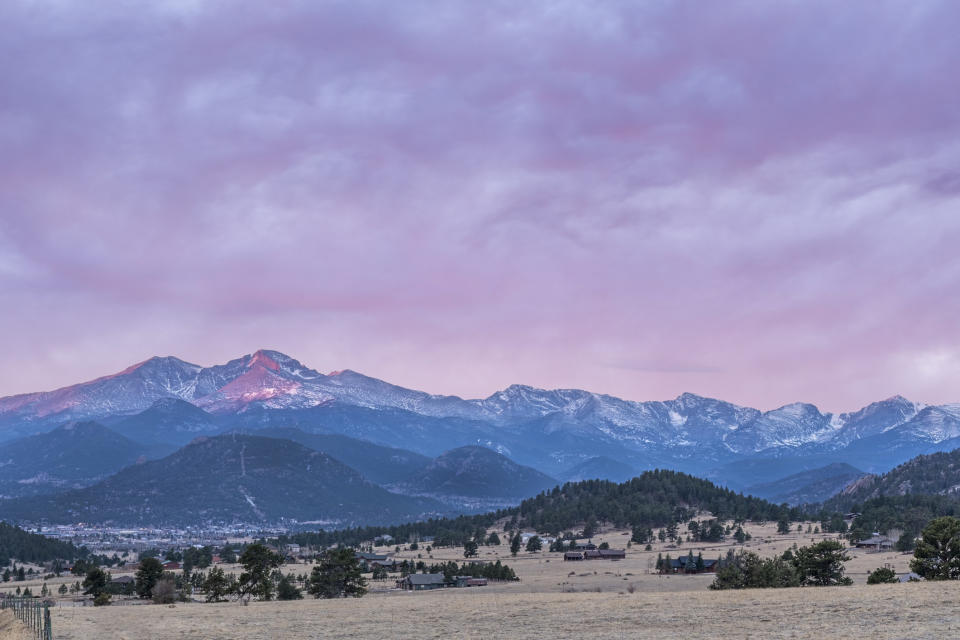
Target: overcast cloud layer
758,201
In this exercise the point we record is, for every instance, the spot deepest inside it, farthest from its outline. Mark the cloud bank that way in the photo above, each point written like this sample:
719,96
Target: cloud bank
755,201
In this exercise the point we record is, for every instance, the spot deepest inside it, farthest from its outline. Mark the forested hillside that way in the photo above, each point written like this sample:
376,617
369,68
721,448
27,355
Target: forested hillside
654,499
934,474
23,546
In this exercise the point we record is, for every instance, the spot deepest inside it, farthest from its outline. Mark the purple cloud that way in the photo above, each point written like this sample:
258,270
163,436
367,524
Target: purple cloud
753,201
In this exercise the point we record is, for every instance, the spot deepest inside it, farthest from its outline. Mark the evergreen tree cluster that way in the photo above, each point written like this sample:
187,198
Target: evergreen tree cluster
820,565
17,544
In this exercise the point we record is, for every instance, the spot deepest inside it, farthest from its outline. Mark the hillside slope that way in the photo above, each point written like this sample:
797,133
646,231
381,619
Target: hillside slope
470,473
808,487
229,478
379,464
934,474
71,456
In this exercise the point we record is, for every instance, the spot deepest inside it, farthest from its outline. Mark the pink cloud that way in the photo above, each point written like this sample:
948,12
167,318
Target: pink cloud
750,201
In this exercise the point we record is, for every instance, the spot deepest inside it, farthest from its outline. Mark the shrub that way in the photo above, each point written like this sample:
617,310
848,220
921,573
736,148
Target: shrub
102,599
165,591
882,575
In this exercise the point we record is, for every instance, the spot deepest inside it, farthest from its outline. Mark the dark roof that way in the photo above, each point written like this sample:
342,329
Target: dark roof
681,562
123,580
876,540
591,553
370,556
573,554
425,578
612,552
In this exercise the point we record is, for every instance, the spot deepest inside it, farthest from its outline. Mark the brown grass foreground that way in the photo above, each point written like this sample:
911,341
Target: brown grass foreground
916,610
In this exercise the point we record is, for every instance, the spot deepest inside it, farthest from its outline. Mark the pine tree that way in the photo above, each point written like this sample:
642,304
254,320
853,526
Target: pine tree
287,590
821,564
258,562
515,543
217,585
338,575
147,575
937,556
96,582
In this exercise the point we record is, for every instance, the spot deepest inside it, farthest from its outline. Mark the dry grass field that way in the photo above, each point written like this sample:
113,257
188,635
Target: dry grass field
556,599
917,610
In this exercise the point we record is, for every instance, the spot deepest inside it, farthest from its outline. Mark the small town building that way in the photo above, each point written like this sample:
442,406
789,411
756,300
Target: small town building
591,554
612,554
875,542
422,582
584,546
572,555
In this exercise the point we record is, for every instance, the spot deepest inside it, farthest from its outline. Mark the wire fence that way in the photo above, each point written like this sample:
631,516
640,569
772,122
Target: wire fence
34,613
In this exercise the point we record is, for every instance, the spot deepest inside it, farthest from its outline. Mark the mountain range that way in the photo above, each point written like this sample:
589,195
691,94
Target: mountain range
167,401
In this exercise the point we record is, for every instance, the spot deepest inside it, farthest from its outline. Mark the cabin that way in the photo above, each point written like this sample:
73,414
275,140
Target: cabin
476,582
122,585
390,564
683,565
171,566
875,542
604,554
422,582
572,555
584,546
368,560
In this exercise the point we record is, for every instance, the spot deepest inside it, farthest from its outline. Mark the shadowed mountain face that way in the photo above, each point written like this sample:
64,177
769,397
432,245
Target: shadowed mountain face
472,473
167,400
808,487
935,474
73,455
599,468
381,465
231,478
169,421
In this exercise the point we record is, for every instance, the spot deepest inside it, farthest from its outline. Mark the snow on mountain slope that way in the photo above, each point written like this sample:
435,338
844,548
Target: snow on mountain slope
133,389
686,426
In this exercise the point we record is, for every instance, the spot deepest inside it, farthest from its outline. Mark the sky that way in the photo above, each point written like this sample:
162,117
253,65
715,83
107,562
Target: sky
756,201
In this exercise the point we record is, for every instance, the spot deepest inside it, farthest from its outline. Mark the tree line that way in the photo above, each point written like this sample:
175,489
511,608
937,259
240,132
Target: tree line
656,498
